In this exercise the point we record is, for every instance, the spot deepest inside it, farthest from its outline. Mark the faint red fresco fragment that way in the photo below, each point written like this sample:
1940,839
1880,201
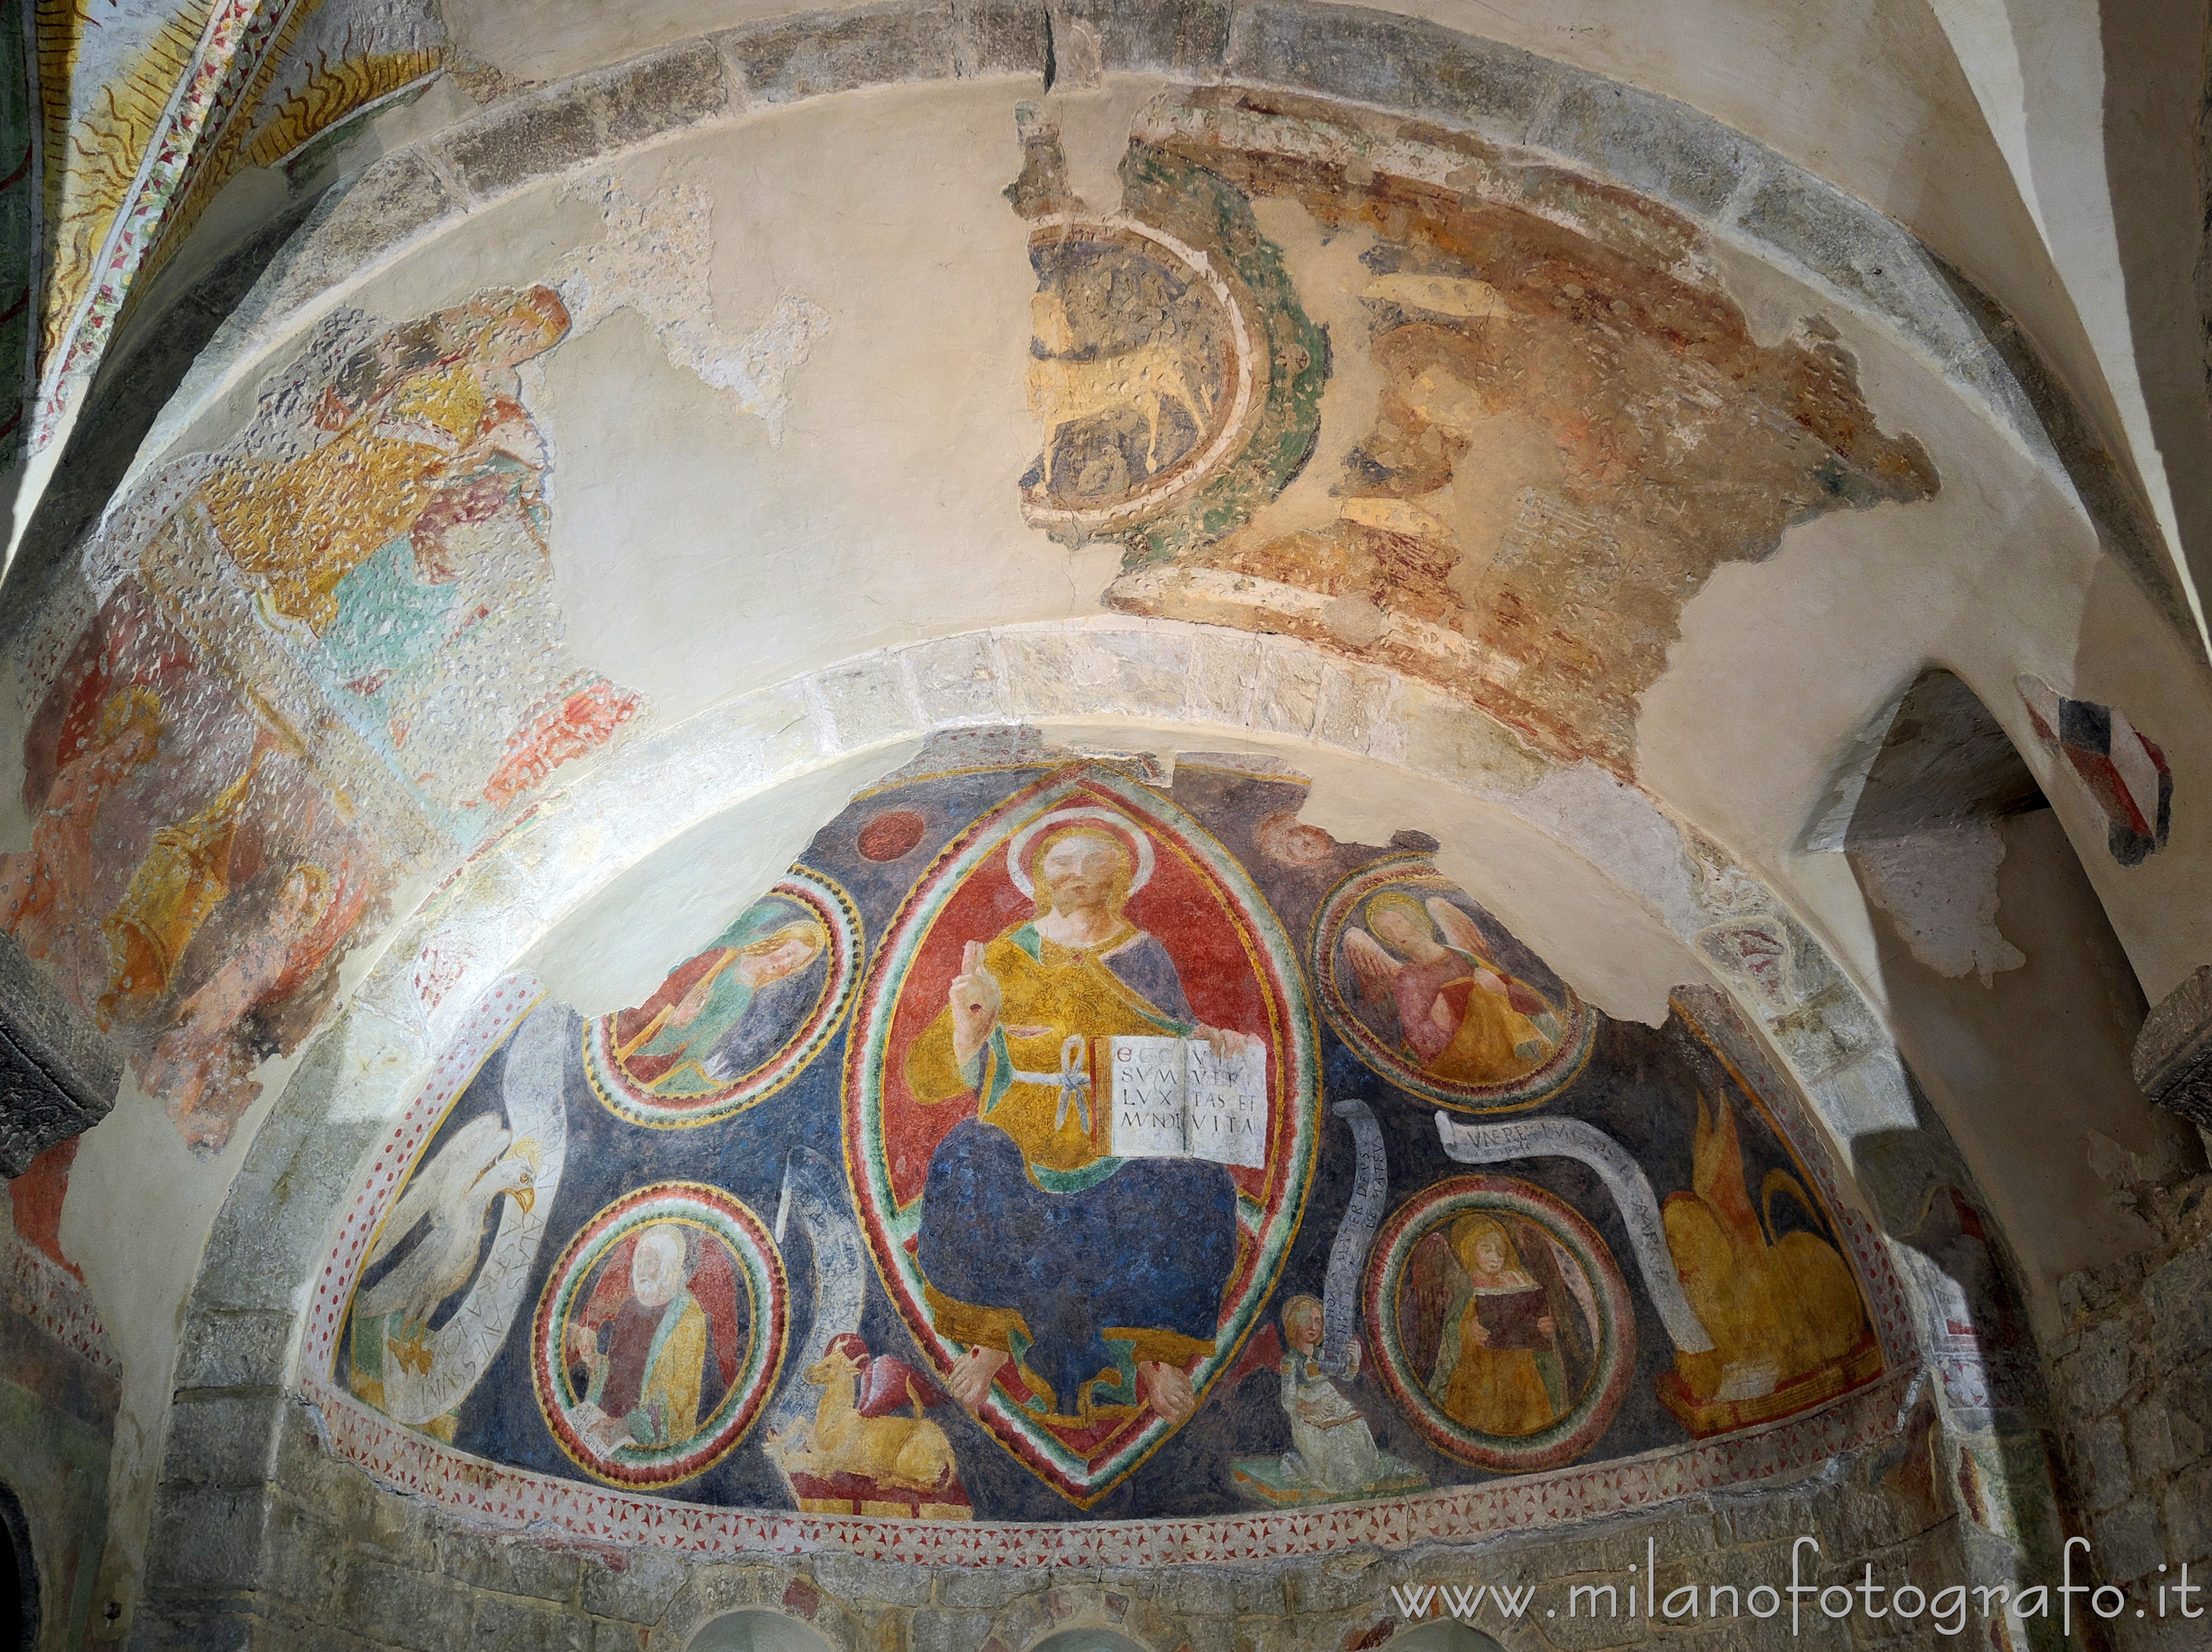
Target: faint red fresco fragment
570,727
37,1195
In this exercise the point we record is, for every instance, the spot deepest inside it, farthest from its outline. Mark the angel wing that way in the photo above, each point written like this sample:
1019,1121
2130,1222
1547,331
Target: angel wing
1462,934
1376,965
1433,1277
891,1383
1579,1286
471,1152
1458,929
1716,1172
1264,1352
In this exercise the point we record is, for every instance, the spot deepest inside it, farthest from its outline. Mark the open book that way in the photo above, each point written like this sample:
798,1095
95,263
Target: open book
1175,1098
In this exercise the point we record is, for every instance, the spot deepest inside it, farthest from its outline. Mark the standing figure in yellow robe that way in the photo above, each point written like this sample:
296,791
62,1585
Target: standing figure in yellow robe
185,875
438,398
1100,1276
1498,1370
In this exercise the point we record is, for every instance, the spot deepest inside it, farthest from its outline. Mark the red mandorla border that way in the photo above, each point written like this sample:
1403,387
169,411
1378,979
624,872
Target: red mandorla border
915,913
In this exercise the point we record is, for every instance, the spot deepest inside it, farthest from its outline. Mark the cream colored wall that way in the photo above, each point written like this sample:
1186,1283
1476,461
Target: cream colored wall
1980,125
2032,1068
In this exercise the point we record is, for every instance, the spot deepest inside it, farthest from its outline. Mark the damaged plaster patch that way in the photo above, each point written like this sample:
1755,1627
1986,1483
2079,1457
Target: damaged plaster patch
1940,889
654,260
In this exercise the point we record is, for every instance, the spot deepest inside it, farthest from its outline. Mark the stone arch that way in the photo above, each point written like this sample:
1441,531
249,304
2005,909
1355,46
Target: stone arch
1185,686
1814,1008
758,1609
1445,1637
1088,1640
1738,190
752,1629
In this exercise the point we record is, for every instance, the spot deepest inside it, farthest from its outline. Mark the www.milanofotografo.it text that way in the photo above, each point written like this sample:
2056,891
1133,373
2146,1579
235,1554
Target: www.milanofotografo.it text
1948,1609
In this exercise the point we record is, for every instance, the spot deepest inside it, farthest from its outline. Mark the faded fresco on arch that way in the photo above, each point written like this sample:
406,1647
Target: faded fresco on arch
387,514
358,583
190,882
1564,424
1036,1222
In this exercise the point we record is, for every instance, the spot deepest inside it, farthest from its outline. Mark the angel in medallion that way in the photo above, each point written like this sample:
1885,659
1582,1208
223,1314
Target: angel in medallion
1463,1019
1501,1322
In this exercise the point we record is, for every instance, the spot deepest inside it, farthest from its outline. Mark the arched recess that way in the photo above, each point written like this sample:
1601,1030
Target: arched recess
1445,1637
505,899
1381,745
1088,1640
755,1629
2010,994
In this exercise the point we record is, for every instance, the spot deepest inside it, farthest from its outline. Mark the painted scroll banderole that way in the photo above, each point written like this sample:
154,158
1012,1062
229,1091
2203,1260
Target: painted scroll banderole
1347,1252
1495,1144
813,1189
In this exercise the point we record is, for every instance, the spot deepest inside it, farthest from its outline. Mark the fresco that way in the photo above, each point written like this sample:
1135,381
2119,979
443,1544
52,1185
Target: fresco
371,555
1175,380
148,107
659,1334
358,583
1084,1199
2122,769
1504,1326
1413,982
190,882
1532,426
734,1024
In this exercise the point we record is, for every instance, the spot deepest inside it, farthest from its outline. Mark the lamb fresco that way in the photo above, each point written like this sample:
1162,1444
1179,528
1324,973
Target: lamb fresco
1084,1201
1532,430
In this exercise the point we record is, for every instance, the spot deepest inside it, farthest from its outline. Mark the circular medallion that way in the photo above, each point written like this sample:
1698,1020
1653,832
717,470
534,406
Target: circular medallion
659,1334
1142,370
1436,996
1500,1323
891,836
737,1023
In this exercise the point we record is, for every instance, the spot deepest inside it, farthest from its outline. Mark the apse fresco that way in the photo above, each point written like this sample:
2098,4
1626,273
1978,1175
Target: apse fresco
1057,1141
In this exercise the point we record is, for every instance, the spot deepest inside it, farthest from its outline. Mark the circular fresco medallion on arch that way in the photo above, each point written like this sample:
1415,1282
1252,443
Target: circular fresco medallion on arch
1500,1322
735,1023
1437,997
659,1334
1142,373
